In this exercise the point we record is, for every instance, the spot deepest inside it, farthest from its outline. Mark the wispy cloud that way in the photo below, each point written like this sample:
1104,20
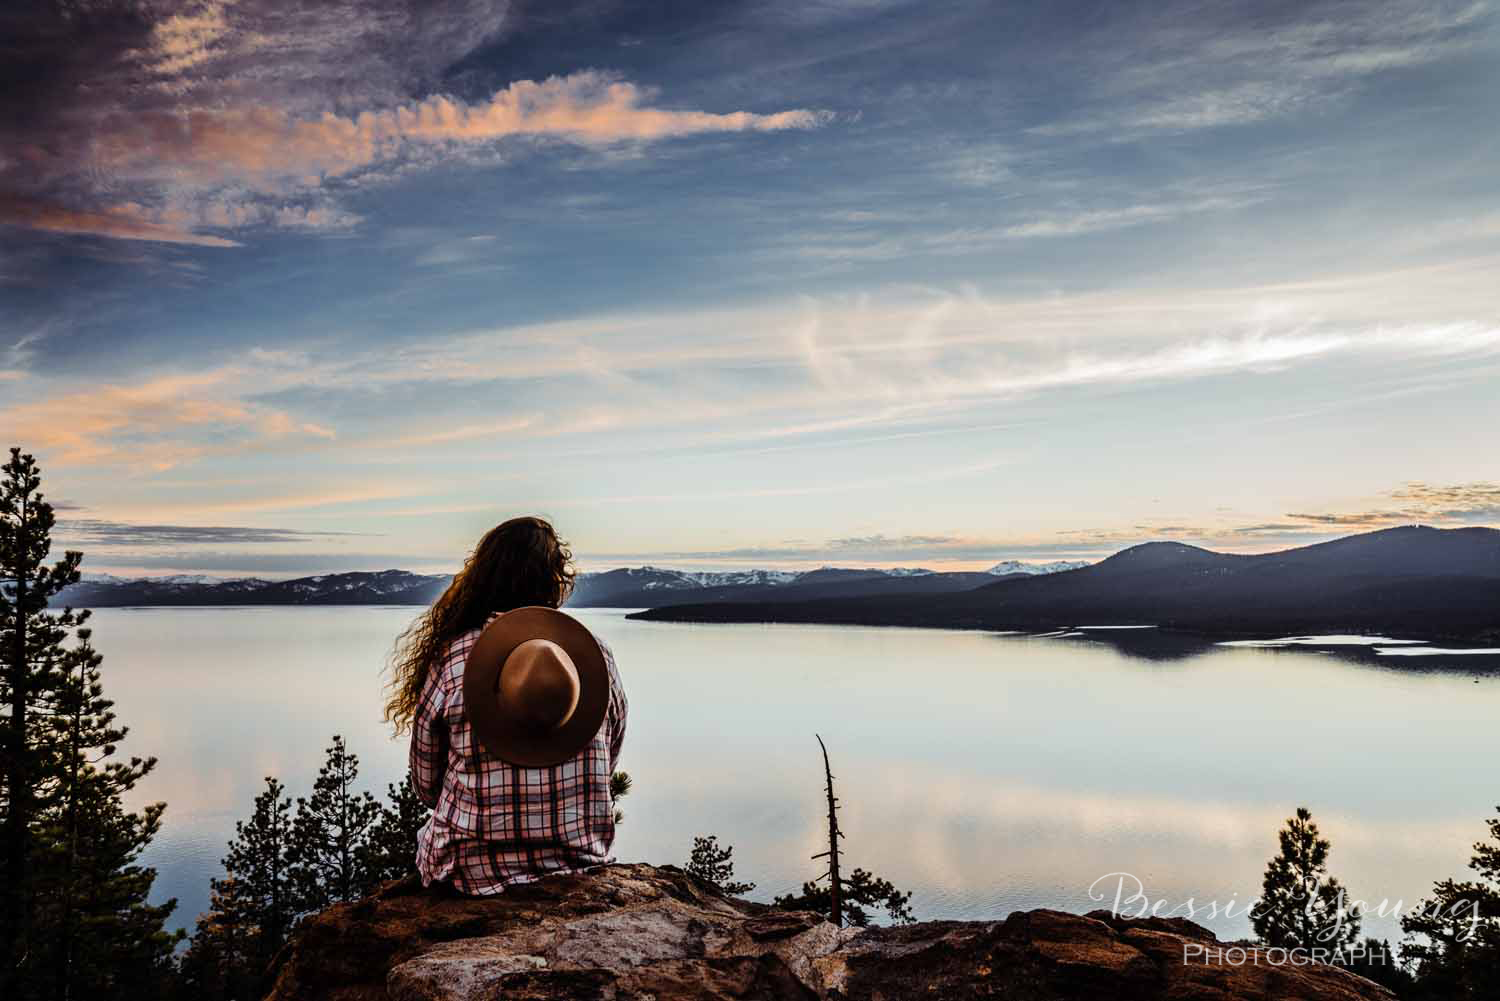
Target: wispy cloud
122,223
1427,503
154,424
940,551
94,532
1239,105
862,243
1213,75
1100,220
322,498
467,432
264,146
823,366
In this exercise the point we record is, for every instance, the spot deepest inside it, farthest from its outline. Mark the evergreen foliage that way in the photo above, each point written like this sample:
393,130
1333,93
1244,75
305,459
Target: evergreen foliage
226,958
1377,961
331,832
75,920
338,845
1301,906
252,908
843,899
861,890
619,786
715,865
1453,941
391,851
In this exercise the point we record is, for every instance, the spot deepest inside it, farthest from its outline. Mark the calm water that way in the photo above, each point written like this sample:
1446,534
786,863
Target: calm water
985,773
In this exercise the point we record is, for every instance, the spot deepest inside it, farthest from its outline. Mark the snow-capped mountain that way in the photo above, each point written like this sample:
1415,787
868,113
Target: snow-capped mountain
1016,566
173,580
397,587
770,578
658,578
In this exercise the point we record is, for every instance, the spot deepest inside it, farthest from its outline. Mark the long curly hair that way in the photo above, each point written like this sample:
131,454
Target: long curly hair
518,563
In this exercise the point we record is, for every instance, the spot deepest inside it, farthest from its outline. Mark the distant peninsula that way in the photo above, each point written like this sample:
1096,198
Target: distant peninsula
1435,584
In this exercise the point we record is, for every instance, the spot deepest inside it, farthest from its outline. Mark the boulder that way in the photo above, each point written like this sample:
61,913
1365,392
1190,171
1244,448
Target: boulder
640,932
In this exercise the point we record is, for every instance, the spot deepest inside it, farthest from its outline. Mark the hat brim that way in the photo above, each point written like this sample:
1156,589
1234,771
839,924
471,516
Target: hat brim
507,738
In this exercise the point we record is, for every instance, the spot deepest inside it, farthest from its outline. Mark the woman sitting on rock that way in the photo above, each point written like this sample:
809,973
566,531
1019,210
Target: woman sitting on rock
516,716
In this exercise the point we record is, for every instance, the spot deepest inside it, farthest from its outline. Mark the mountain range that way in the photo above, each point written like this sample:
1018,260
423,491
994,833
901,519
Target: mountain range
1413,580
639,587
1416,581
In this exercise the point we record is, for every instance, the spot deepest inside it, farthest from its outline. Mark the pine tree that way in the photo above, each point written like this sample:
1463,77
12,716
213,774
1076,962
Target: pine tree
845,898
76,918
331,832
1377,961
104,939
259,888
1453,939
252,908
1301,906
31,647
391,852
860,890
715,865
226,958
104,933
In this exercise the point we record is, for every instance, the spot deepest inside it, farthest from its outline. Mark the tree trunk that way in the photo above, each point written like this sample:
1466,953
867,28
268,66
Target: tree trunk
64,985
18,785
835,887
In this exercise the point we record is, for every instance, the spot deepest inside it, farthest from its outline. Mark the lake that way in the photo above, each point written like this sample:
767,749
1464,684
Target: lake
985,773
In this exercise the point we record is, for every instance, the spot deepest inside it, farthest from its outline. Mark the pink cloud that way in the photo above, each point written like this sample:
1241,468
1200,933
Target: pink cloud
217,166
267,148
156,424
121,223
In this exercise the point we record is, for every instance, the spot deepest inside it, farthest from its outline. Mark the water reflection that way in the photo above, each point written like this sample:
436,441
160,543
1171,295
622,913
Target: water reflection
985,773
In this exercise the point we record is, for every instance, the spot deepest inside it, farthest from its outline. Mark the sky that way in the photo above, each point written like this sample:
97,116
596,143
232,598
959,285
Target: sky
295,288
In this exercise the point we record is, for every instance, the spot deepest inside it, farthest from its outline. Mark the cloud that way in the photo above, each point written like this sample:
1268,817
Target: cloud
822,367
230,115
1206,73
183,41
115,533
1239,105
267,148
1358,520
877,549
1462,499
155,424
1100,220
120,223
271,565
467,432
1418,502
1005,351
862,243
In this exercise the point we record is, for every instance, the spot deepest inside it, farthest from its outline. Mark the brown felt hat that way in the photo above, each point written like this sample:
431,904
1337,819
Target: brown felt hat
536,687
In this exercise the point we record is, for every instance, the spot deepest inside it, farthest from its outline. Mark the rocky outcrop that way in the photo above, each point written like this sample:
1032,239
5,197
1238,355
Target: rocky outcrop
639,932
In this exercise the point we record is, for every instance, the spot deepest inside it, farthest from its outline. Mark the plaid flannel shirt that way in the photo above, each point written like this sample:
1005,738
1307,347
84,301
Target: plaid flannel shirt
494,824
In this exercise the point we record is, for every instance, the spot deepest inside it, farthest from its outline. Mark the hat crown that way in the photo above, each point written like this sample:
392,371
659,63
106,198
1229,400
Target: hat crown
538,685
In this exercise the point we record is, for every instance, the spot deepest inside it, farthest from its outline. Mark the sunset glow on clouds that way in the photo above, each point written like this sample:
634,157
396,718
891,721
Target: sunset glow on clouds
877,283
